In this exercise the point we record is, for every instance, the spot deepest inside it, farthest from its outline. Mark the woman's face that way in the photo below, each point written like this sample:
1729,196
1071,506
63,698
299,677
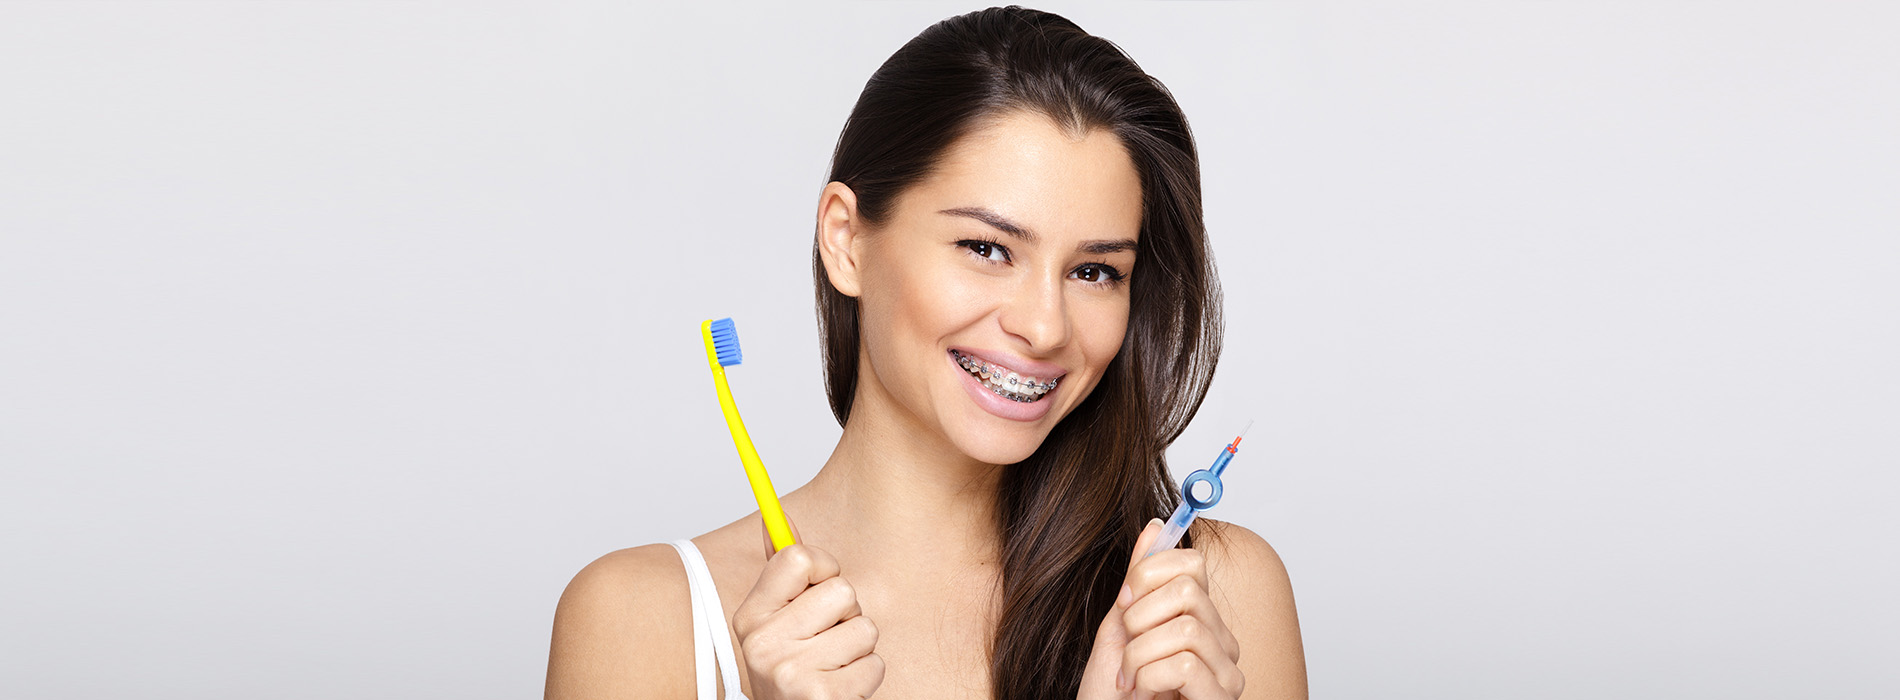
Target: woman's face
997,293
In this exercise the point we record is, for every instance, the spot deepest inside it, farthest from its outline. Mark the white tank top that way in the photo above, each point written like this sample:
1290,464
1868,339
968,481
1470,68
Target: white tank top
709,628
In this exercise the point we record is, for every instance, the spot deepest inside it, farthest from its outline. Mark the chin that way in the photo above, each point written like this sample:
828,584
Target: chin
1015,447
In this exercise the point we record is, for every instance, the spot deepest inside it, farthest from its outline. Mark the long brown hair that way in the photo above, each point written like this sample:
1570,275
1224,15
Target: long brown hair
1070,513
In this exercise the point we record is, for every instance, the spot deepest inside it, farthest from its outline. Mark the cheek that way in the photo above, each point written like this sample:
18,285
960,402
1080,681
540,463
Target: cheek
919,301
935,298
1100,328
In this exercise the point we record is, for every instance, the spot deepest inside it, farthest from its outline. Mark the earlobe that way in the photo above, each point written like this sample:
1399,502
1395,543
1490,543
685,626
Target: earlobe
839,232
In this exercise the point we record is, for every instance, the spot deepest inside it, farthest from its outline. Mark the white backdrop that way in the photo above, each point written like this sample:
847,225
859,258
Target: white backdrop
336,336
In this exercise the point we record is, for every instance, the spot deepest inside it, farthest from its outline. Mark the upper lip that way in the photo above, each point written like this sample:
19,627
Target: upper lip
1016,363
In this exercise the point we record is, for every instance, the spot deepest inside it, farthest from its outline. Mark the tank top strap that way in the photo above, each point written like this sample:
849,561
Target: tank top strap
712,641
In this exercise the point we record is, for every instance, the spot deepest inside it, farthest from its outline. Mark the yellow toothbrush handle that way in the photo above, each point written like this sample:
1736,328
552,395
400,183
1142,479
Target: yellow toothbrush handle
769,509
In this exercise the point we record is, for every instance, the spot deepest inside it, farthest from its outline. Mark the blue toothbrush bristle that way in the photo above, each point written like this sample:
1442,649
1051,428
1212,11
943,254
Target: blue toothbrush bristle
726,342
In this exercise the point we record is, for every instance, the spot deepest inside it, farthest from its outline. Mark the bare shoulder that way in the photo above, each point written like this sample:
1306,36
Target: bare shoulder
1231,546
1245,573
623,629
1255,598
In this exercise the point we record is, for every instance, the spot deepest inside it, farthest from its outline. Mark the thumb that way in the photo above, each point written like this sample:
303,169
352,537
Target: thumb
766,535
1147,539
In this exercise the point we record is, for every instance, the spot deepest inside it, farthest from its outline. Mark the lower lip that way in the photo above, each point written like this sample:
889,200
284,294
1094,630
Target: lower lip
997,405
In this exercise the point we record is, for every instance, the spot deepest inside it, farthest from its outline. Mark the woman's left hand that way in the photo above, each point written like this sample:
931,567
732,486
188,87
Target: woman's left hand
1163,638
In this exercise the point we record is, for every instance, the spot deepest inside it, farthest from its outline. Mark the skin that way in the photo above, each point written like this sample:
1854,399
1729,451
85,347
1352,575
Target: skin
892,588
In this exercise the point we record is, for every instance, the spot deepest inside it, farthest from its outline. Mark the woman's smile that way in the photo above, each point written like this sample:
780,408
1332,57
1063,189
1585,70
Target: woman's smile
1004,392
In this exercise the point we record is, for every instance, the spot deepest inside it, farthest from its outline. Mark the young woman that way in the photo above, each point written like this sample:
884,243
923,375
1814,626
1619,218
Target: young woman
1019,314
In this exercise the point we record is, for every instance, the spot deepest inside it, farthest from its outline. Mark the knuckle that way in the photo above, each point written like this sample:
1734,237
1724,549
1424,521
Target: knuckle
783,677
1182,590
1143,580
760,653
854,628
796,557
1196,561
1187,628
1152,577
835,593
1182,664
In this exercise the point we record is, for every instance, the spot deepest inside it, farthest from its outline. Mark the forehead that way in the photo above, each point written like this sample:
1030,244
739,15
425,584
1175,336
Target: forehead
1026,168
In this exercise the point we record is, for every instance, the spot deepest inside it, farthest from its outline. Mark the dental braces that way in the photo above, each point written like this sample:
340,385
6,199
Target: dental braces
990,371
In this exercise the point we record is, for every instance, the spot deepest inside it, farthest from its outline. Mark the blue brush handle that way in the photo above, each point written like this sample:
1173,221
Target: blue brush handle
1191,506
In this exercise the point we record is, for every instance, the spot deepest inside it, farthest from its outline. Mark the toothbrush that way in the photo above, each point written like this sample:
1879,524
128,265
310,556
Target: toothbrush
1192,505
722,350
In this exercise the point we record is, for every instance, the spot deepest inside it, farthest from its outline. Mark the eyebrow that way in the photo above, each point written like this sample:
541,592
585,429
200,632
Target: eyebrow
1022,233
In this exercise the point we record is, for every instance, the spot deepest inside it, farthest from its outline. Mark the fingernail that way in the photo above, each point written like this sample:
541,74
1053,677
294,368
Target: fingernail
1121,680
1124,598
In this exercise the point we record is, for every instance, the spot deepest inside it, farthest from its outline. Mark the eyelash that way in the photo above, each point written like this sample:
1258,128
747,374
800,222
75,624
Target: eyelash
1111,275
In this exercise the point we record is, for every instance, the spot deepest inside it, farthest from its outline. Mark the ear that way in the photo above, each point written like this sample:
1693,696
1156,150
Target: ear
841,237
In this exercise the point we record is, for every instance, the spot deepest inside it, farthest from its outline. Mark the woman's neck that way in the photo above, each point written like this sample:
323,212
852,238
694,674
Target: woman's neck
894,499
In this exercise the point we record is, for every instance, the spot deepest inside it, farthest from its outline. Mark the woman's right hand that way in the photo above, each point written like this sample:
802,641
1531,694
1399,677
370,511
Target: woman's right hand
802,633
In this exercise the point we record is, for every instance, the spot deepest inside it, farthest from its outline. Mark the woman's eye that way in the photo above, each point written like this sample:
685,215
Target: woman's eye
987,250
1098,274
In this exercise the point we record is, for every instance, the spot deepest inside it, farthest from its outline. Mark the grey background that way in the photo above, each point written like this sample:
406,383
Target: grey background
336,336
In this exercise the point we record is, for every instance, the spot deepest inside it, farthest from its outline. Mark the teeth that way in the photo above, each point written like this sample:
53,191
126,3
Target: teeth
1004,382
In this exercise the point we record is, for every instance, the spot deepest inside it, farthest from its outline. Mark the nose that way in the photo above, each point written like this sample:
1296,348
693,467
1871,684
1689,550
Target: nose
1038,313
